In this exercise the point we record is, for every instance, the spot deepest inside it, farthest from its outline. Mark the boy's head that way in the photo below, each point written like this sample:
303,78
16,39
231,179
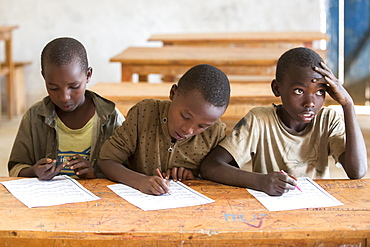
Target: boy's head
64,66
199,99
301,88
300,56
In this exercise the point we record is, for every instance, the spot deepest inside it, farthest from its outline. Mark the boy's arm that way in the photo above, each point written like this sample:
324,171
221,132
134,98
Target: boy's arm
119,173
216,167
354,160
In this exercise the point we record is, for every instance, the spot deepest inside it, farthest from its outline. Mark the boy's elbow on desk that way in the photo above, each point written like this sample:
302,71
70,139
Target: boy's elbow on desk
357,173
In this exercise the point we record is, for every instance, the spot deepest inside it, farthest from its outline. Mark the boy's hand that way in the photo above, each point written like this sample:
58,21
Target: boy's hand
46,169
276,183
82,167
179,174
335,87
154,185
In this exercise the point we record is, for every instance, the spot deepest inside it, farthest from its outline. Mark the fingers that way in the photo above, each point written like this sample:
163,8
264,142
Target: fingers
324,69
179,174
277,184
44,161
58,169
158,186
167,175
48,170
188,175
174,173
327,74
81,166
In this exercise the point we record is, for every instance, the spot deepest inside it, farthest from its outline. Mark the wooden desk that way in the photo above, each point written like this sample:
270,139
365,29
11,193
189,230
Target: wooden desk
170,61
249,39
8,69
243,97
234,219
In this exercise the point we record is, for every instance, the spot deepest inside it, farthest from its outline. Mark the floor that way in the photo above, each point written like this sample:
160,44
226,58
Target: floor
8,130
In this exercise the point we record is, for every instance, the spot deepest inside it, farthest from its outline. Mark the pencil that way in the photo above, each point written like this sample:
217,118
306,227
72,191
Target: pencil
160,175
283,172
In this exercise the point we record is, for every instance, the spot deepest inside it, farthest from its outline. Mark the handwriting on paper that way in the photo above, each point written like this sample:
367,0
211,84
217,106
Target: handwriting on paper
181,196
37,193
311,196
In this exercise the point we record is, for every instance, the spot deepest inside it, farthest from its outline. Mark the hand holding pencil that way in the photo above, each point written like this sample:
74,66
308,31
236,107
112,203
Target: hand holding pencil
283,172
152,185
276,183
167,183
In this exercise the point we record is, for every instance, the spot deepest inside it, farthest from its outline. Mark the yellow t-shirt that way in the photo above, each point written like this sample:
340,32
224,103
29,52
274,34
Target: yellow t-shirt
72,142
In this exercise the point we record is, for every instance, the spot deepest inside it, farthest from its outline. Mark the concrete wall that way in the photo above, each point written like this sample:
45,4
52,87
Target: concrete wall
107,27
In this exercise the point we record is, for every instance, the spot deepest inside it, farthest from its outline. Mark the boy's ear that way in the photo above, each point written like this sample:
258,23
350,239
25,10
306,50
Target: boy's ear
89,74
275,88
173,91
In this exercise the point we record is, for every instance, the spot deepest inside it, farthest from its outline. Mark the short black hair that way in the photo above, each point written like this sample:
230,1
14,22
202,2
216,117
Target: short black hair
300,56
63,51
210,81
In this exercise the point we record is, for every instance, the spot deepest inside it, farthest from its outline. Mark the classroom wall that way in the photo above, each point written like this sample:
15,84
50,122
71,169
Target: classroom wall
107,27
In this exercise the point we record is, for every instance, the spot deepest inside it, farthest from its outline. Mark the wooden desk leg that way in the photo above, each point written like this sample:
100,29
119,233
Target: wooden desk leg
168,78
126,73
308,44
143,78
10,94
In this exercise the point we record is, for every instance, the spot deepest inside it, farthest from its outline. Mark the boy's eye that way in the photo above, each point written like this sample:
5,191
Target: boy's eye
320,92
75,87
298,91
53,89
182,115
203,127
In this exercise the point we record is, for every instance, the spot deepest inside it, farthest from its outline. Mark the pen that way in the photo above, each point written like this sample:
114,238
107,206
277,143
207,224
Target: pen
160,175
283,172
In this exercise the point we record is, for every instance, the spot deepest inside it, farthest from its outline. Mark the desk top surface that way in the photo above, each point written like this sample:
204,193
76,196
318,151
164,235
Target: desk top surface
6,32
240,37
235,214
185,55
7,28
128,91
141,90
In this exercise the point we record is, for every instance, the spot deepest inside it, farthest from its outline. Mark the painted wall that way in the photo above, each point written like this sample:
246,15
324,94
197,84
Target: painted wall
108,27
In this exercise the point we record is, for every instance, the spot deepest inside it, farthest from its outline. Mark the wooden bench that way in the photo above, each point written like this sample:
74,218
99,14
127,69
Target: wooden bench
243,97
171,61
18,95
284,40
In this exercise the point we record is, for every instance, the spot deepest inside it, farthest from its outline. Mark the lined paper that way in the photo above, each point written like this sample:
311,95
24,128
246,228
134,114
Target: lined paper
38,193
312,196
181,196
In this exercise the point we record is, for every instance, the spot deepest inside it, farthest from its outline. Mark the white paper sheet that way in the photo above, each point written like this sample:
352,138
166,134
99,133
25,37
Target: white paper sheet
312,196
37,193
181,196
